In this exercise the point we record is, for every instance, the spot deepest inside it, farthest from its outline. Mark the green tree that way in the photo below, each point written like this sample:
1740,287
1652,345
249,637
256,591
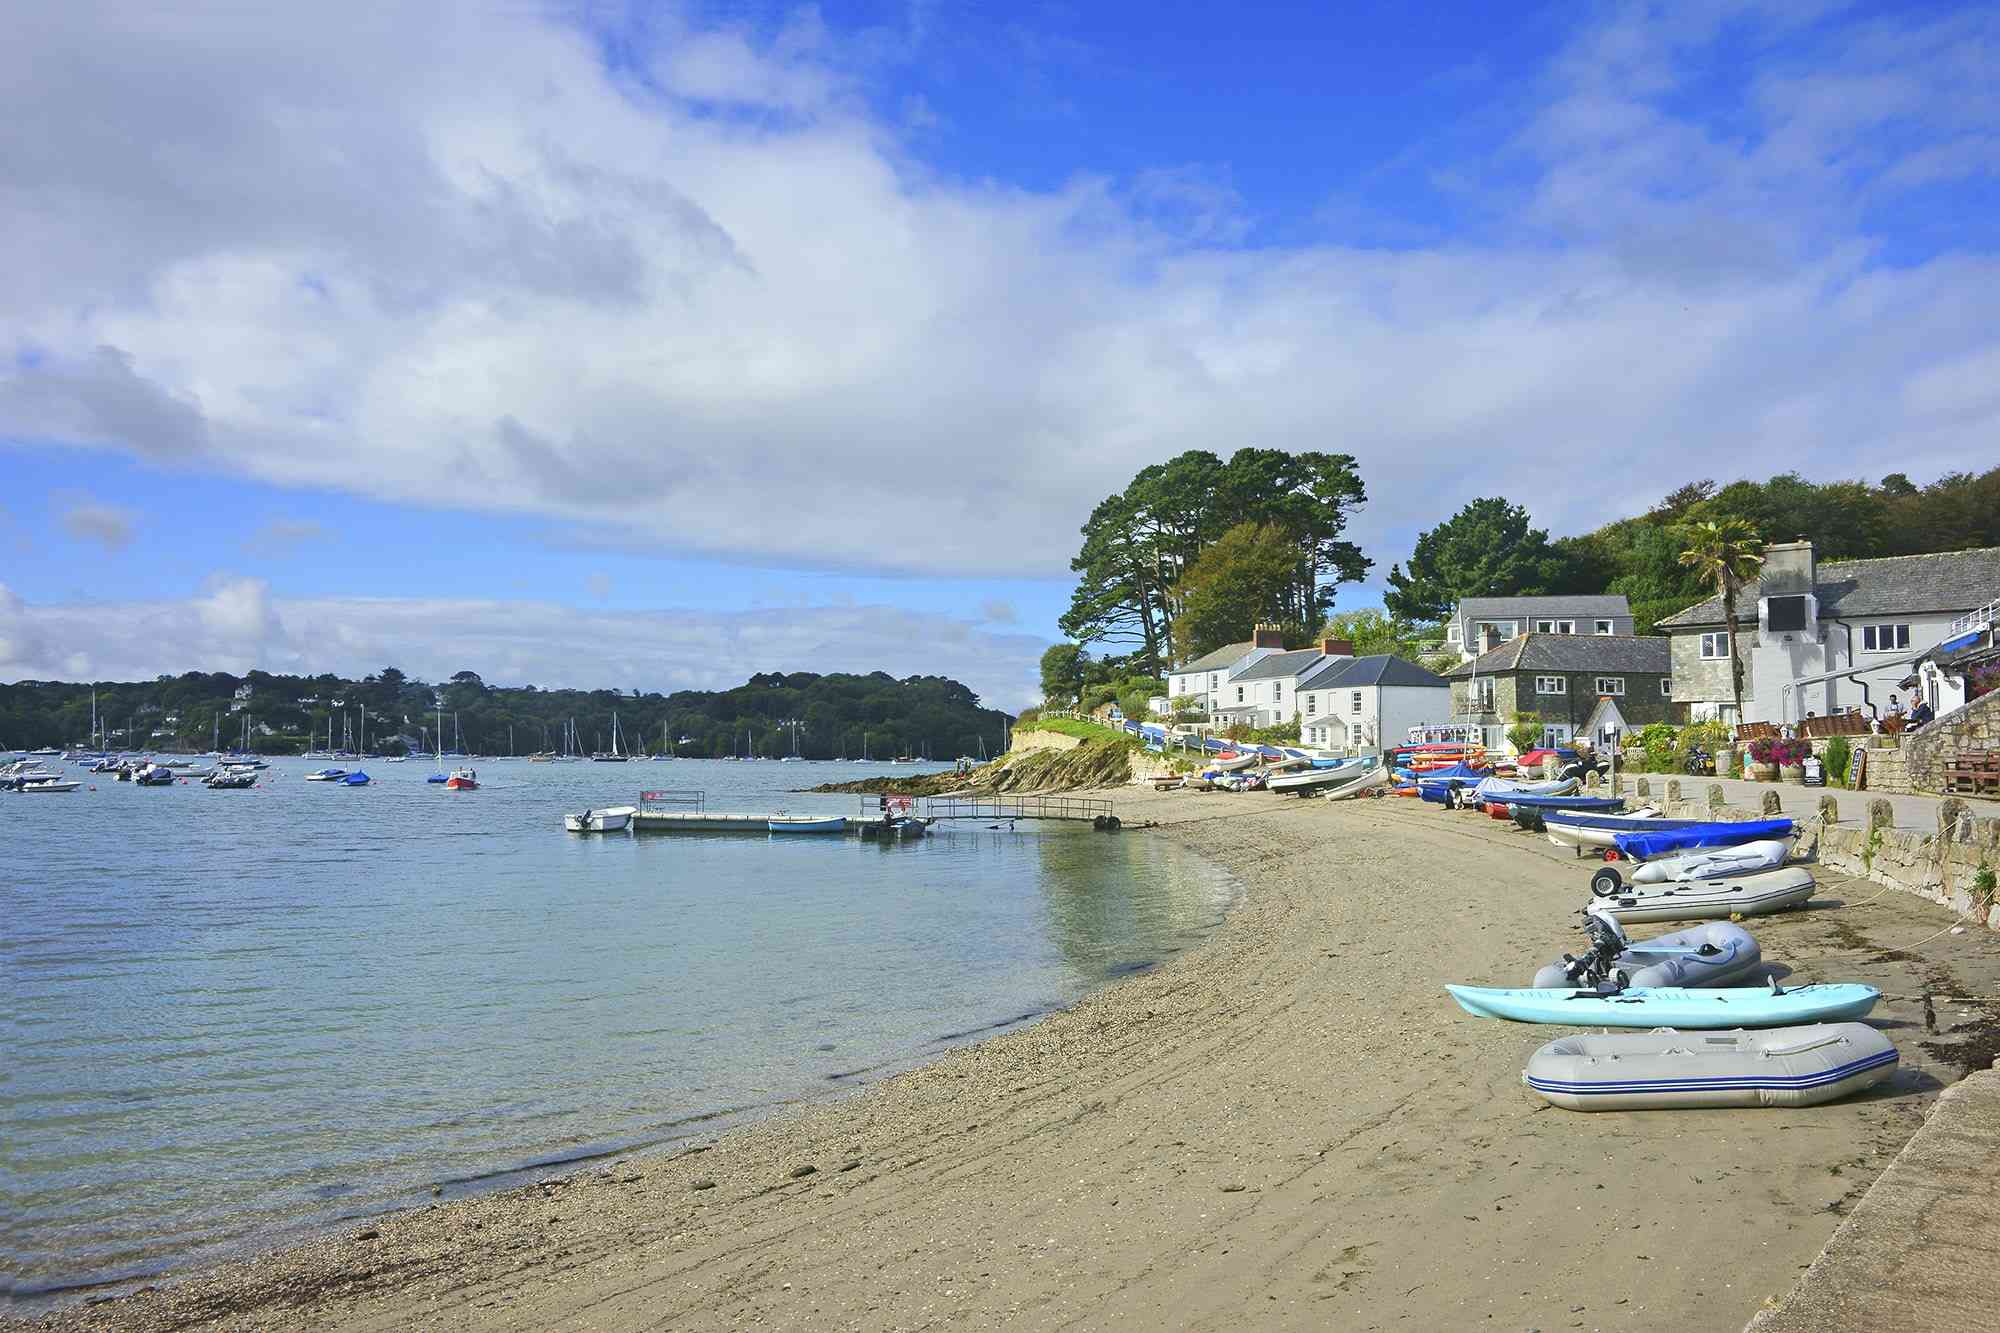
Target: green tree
1063,671
1372,631
1726,554
1244,579
1526,732
1487,549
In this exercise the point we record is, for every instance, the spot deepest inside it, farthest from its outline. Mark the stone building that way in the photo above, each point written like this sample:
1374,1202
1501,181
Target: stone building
1561,678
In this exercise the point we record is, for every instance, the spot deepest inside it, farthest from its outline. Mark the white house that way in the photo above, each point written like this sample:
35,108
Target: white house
1364,704
1825,638
1264,693
1480,623
1201,681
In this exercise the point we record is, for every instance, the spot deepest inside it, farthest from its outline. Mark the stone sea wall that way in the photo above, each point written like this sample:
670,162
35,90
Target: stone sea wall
1942,865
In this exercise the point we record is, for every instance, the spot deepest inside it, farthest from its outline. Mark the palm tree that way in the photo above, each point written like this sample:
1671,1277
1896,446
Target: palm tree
1726,553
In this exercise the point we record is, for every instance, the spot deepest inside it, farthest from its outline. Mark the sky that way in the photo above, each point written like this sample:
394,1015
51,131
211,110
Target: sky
652,345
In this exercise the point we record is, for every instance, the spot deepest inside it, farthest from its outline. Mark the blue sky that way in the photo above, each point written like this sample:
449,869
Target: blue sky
672,342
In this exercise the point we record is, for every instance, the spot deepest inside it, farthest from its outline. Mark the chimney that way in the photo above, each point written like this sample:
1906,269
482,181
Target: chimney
1268,636
1336,647
1787,604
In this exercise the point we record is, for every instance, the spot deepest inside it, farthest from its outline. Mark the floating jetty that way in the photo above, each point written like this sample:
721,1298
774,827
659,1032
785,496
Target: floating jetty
698,821
688,812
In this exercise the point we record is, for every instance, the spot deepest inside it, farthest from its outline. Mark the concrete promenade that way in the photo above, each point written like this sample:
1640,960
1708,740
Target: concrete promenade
1917,1253
1912,812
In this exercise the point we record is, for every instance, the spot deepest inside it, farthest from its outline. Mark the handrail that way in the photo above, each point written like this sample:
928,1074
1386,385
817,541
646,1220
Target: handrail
1977,618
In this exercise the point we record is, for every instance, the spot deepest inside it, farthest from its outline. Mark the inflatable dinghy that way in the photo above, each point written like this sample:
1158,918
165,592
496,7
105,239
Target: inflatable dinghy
1714,954
1672,1006
1643,1071
1748,858
1718,833
1501,789
1704,899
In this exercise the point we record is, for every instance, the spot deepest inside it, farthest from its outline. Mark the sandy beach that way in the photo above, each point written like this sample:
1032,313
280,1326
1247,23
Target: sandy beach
1290,1126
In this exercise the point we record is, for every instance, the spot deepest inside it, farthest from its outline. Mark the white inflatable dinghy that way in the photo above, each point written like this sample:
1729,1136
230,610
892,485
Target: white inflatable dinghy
1715,953
1716,863
1705,899
1662,1069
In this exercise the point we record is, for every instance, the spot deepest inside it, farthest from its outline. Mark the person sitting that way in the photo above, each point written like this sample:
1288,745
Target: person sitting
1922,713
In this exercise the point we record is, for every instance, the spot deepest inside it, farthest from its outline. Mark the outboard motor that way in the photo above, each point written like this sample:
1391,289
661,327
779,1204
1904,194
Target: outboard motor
1599,967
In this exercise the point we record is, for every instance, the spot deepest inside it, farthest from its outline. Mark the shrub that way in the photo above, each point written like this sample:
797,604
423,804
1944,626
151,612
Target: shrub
1711,736
1657,740
1839,755
1526,732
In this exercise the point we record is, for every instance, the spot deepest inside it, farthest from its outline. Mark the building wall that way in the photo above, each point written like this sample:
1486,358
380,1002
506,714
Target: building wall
1705,681
1779,660
1404,706
1514,693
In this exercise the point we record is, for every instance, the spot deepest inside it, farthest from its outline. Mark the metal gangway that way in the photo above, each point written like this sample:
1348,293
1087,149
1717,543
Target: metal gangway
1088,809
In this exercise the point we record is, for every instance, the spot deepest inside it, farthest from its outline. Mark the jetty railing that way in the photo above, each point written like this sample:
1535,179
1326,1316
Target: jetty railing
1085,808
675,799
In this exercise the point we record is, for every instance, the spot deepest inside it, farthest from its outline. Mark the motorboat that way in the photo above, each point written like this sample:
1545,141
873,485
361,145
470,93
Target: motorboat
154,775
1319,781
462,779
231,780
50,783
610,820
326,775
1706,899
1647,1071
355,779
784,823
1716,953
1672,1006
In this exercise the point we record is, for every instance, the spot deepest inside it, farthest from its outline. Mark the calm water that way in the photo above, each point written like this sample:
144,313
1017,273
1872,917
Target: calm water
241,1015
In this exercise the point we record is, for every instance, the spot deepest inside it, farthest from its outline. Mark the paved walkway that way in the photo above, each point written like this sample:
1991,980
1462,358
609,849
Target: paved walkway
1912,812
1917,1252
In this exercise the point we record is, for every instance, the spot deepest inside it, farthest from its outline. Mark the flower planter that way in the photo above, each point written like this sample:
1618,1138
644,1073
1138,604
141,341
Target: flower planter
1761,772
1793,773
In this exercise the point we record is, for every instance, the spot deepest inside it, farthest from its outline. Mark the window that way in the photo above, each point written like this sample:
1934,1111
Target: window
1482,694
1884,638
1555,627
1451,632
1602,627
1354,736
1239,694
1714,646
1213,680
1551,685
1312,704
1611,684
1354,701
1666,688
1277,691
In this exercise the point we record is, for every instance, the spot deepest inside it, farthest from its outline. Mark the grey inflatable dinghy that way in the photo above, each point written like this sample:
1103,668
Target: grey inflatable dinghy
1640,1071
1713,954
1716,862
1707,899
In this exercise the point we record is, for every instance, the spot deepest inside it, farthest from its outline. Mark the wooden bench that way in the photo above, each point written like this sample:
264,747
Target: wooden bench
1973,773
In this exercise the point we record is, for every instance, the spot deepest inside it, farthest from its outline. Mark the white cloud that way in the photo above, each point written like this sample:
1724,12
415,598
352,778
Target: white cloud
110,526
235,624
452,259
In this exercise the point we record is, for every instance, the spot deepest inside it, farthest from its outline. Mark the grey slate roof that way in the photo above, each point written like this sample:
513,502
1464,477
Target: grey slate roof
1605,605
1571,652
1375,669
1277,666
1891,585
1227,655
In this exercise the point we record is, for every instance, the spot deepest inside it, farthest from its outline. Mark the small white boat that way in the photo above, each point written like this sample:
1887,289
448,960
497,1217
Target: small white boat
1357,782
318,774
1241,761
609,820
1318,781
782,823
1746,858
1707,899
1647,1071
48,784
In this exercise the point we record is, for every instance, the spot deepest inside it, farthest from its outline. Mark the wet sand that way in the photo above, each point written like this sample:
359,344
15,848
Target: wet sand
1290,1126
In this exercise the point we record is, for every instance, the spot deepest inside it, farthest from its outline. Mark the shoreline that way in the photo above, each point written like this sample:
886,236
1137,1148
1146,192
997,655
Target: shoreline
1284,1123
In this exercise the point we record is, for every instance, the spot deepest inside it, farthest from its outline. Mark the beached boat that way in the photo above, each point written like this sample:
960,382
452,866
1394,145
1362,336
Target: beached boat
782,823
1595,828
1713,954
1319,781
1672,1006
1359,783
1507,789
1748,858
1708,899
1701,837
1786,1067
462,779
609,820
326,775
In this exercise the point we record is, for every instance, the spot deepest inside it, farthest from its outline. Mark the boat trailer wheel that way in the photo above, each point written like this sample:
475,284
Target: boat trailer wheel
1606,883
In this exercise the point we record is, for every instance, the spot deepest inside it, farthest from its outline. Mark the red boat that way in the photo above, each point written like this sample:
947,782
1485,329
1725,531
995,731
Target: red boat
462,779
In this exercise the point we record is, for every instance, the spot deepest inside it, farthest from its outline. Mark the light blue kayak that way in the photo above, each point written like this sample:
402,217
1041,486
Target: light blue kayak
1672,1007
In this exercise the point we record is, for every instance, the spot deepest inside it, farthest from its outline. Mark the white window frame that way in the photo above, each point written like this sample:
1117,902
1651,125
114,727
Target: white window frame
1604,628
1666,688
1555,627
1886,637
1611,685
1239,694
1355,738
1551,685
1481,695
1354,703
1715,645
1312,703
1277,691
1451,632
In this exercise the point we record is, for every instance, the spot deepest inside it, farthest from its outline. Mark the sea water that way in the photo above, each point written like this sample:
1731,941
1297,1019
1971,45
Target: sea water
239,1016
